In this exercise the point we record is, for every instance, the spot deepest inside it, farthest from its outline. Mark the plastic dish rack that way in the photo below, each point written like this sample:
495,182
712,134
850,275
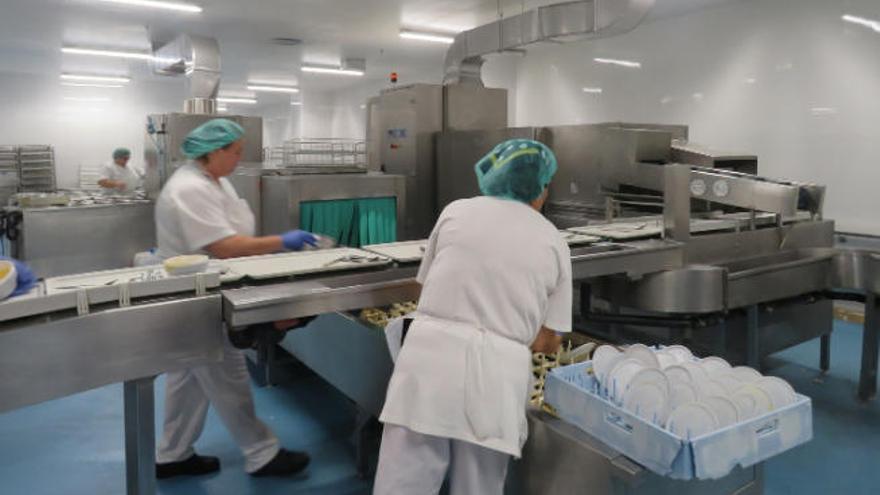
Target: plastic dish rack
573,392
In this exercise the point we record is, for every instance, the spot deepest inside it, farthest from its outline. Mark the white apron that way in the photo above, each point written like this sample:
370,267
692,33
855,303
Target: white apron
457,381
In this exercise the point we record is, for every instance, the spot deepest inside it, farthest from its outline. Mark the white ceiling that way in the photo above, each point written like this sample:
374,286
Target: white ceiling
32,32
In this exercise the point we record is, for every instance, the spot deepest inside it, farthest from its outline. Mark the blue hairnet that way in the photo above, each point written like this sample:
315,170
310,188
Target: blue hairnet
211,136
121,153
518,169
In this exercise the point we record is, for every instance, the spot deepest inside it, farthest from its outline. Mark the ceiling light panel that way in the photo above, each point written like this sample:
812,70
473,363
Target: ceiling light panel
155,4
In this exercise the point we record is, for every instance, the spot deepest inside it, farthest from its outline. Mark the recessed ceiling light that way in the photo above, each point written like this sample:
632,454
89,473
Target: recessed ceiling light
623,63
106,53
594,91
332,70
153,4
296,103
104,79
91,85
425,36
272,88
246,101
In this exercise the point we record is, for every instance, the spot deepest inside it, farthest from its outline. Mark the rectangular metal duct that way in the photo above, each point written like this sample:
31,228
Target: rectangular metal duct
559,23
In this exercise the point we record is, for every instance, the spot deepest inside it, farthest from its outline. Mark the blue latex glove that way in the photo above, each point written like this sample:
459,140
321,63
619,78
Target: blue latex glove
295,240
26,278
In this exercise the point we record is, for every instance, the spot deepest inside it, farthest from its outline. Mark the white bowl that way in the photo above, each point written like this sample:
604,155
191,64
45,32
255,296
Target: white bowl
8,279
186,264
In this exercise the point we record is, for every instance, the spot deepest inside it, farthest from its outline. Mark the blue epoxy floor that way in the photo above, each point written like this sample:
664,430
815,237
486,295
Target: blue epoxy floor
75,445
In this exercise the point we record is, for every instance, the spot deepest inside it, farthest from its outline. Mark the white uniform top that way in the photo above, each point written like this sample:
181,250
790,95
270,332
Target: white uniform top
128,174
493,273
194,211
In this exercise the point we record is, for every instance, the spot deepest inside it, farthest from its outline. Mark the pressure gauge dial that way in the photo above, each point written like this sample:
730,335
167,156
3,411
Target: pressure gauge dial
698,187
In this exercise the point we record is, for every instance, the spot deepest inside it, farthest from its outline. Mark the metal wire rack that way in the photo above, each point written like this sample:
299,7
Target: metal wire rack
320,155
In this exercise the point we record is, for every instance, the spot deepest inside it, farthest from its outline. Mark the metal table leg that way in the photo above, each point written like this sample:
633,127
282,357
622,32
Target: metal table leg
825,352
753,356
140,439
870,347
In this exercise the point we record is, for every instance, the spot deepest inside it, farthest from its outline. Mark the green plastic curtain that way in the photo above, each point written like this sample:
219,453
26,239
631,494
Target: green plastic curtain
352,222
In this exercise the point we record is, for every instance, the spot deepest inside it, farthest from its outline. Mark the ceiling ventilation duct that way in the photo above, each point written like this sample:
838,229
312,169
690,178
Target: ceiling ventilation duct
197,58
558,23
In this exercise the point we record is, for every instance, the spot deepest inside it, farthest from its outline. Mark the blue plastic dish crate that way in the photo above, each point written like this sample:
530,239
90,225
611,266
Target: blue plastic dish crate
573,392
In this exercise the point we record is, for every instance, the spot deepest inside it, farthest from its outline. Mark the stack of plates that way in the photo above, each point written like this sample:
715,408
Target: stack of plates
688,396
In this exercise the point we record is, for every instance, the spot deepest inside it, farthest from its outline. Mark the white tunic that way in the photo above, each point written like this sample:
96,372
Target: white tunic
194,211
493,273
128,174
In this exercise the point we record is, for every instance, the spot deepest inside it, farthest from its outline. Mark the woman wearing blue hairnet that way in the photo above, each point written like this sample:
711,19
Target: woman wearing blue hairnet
198,211
496,281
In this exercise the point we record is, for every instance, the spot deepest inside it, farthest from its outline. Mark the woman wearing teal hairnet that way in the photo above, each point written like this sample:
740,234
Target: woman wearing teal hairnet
198,211
496,284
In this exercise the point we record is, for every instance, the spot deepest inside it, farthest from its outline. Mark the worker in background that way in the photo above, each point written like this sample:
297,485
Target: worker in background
118,176
198,211
496,285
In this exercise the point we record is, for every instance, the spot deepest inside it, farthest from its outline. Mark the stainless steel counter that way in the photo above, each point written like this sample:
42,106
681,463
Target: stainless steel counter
78,239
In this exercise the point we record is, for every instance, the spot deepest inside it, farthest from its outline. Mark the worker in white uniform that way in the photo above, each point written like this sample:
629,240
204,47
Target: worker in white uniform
198,211
118,176
496,285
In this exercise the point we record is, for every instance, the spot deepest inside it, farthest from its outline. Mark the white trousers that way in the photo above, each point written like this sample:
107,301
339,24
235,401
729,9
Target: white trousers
226,386
411,463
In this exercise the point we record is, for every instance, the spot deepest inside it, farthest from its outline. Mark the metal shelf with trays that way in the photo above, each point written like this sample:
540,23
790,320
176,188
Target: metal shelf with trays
36,168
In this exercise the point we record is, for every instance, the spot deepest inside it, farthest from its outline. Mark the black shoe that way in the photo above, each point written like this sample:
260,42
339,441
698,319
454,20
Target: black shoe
194,466
285,463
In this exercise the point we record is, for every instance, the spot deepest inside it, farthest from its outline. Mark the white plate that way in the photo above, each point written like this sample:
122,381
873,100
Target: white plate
604,359
726,411
644,354
698,374
678,374
580,353
729,381
650,375
682,393
647,401
711,388
681,353
752,401
692,420
715,365
779,390
746,374
620,376
666,359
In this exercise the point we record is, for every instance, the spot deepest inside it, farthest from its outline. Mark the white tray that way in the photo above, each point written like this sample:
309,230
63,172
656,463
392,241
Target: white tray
401,252
622,231
578,239
301,263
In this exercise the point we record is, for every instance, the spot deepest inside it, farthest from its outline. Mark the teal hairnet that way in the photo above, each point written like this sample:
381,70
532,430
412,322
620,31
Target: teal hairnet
518,169
121,153
211,136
